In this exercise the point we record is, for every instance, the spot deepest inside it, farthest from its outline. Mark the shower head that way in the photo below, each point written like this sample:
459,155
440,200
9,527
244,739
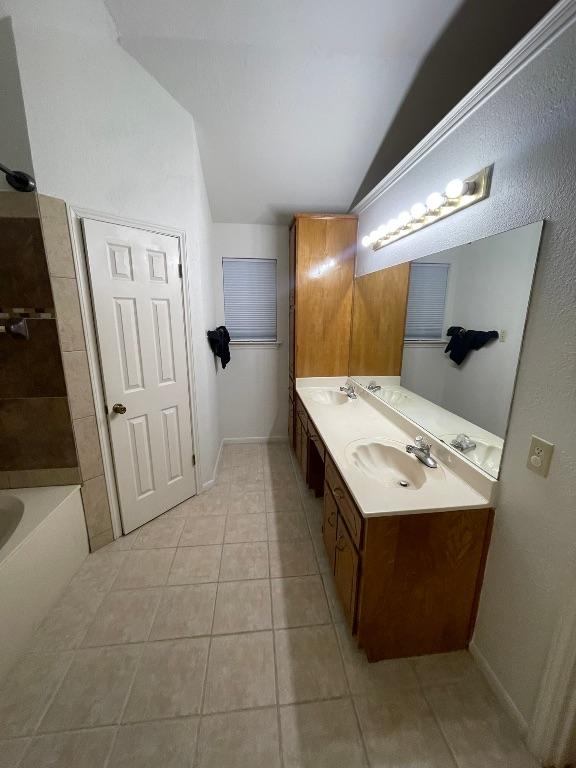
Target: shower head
19,180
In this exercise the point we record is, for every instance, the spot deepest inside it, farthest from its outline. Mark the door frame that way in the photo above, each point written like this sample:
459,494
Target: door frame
75,216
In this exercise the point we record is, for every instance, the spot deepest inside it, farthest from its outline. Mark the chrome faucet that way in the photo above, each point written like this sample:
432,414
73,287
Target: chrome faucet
421,450
373,387
349,390
463,443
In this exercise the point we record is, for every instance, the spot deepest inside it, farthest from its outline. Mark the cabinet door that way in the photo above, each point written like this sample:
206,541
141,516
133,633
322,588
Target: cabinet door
346,572
303,450
298,439
291,423
329,523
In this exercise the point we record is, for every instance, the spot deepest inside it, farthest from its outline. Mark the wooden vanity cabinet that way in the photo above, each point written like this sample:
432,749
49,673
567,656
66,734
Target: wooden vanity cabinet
409,584
308,449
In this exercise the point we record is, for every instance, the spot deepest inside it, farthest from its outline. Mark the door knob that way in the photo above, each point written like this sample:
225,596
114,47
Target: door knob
119,408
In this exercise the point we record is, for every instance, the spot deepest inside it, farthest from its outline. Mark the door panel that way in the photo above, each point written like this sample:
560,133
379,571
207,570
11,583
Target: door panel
329,523
137,296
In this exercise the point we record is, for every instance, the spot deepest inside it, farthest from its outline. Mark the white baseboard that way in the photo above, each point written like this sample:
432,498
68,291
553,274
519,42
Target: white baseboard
498,689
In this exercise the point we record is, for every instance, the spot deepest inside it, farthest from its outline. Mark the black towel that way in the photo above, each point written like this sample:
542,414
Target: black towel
219,341
463,341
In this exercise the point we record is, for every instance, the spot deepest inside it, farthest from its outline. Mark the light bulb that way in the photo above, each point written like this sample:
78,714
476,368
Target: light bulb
455,188
392,226
373,236
366,241
435,201
382,232
404,219
418,211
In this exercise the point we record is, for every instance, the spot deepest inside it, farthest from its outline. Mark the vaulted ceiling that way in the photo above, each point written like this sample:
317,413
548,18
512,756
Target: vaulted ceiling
292,98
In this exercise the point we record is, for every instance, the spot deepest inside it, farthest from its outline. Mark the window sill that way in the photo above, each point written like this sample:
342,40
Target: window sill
255,344
425,343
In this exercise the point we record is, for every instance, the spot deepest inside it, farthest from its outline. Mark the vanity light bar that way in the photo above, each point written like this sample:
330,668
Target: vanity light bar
458,194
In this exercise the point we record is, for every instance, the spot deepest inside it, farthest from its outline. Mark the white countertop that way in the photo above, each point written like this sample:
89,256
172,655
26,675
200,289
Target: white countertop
364,418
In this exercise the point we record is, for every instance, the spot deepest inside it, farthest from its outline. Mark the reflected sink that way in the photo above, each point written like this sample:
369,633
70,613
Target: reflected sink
394,397
387,462
327,396
486,455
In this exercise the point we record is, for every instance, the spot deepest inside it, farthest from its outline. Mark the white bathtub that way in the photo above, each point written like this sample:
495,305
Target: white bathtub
43,542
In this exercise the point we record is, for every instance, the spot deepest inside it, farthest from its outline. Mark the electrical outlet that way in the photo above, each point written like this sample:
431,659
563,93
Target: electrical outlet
540,456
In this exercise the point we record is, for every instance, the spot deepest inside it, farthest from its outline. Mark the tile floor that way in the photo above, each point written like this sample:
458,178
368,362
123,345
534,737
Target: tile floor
212,638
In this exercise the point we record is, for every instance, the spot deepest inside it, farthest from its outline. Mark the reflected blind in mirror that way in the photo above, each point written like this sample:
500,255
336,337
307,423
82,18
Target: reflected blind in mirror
426,301
250,299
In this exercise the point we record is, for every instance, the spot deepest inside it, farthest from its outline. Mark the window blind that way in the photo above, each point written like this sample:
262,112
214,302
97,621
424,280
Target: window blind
426,301
250,299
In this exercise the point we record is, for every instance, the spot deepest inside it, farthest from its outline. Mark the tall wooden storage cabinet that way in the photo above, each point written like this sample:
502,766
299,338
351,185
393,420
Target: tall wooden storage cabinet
322,261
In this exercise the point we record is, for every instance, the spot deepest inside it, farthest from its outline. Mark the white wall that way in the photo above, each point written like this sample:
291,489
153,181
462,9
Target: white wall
489,287
106,136
253,389
526,128
14,144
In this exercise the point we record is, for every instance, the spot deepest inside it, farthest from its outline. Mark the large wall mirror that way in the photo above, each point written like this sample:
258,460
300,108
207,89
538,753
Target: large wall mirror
439,339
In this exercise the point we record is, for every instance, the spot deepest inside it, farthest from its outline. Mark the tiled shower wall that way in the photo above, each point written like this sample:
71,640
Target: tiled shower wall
47,416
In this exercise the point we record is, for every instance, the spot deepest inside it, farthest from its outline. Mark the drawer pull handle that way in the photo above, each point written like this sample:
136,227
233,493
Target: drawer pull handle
339,493
341,544
330,520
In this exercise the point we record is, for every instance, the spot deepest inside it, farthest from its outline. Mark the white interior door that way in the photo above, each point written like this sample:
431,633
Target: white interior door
138,305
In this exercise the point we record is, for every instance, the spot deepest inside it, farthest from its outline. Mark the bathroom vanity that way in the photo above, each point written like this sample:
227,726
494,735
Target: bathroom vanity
406,543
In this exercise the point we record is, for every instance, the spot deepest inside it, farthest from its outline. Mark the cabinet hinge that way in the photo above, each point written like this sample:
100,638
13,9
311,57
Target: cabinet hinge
193,459
179,270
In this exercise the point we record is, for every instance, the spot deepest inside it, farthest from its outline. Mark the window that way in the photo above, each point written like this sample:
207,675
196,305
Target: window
426,302
250,299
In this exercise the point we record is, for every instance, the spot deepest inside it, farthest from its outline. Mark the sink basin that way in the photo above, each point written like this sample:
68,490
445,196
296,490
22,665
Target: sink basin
486,455
327,396
387,462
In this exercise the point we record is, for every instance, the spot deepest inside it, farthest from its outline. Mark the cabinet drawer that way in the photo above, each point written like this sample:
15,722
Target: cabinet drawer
345,503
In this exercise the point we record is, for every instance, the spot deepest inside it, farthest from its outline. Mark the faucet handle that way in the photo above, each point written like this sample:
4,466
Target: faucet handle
419,442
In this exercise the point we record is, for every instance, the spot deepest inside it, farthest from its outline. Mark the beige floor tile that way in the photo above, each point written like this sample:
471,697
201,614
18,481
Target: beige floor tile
279,477
123,542
292,558
249,474
94,689
195,565
287,526
80,749
400,732
333,598
245,528
212,502
247,503
299,601
382,676
242,487
184,612
65,625
28,689
443,668
159,533
240,673
240,455
283,500
162,744
239,740
242,606
321,735
309,665
244,561
123,617
200,531
99,570
479,733
169,680
144,568
11,752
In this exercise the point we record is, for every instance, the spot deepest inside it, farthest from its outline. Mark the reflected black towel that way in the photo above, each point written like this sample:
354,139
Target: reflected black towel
219,341
462,342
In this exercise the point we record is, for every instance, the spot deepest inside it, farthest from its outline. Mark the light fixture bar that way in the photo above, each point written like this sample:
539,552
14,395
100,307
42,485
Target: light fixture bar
459,194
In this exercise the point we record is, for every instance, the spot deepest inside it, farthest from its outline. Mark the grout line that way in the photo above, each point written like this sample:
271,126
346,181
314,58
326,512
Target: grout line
422,690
